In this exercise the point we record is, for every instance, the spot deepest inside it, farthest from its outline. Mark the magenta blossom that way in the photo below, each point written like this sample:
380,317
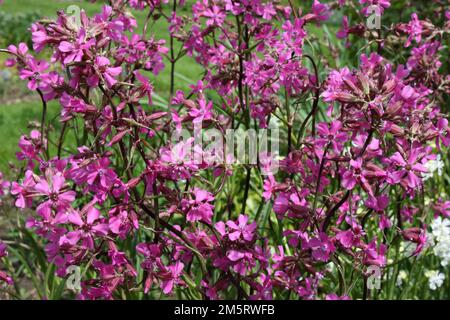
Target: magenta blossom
58,197
88,227
3,275
321,247
200,208
331,134
74,52
171,277
104,71
242,230
356,175
375,256
410,168
374,6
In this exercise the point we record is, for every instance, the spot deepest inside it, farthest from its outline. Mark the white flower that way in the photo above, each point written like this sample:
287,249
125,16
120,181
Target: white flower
440,229
433,166
435,279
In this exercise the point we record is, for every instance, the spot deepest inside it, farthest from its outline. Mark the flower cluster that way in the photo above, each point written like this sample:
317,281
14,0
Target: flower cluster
4,277
130,205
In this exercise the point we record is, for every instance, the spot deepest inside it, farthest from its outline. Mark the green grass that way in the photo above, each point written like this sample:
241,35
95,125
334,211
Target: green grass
14,121
20,118
47,8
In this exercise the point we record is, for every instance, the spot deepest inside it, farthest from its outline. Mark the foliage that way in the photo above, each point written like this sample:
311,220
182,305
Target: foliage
111,192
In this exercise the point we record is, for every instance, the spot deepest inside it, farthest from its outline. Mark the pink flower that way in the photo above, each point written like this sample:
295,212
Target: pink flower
379,4
347,238
290,204
320,12
415,235
356,175
414,30
269,187
24,191
268,11
375,256
100,174
200,208
33,72
21,50
331,134
3,275
378,203
321,247
72,105
443,132
264,289
344,30
171,276
30,147
215,15
442,208
132,49
152,255
3,252
54,190
202,112
410,168
89,225
74,52
242,261
334,296
146,87
39,37
105,71
242,229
